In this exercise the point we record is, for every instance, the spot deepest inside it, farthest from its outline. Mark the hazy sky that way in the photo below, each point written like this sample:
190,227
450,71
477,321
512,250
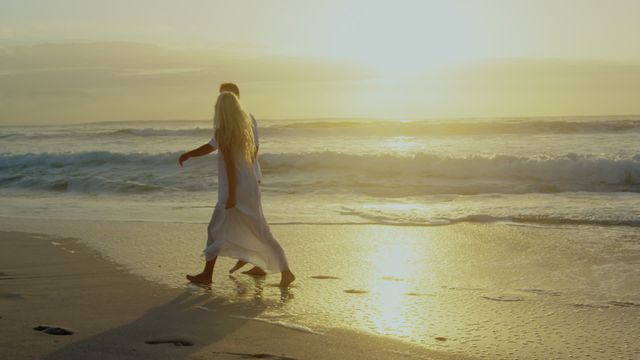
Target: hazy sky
79,61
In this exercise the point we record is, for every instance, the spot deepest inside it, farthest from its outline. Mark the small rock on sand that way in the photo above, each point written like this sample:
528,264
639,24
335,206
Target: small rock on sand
52,330
355,291
176,342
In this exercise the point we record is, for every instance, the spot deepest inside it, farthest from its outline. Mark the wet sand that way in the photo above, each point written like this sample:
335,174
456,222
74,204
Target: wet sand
491,291
54,282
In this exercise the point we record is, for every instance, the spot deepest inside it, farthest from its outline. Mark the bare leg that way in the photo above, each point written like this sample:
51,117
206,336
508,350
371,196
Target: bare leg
287,278
237,266
206,276
255,271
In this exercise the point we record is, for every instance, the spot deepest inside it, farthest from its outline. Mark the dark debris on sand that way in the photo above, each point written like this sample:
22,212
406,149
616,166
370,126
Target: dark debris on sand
175,342
355,291
257,356
52,330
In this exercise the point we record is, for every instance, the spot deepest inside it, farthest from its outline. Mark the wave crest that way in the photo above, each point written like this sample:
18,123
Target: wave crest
376,175
477,127
571,172
615,125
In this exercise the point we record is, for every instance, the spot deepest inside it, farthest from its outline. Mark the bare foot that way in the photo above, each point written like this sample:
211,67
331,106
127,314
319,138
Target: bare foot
237,266
287,278
255,271
200,279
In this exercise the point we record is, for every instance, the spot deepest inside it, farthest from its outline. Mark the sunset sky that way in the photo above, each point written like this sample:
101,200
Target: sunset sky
82,61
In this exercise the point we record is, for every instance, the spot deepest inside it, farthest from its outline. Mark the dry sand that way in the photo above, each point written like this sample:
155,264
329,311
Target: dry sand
114,313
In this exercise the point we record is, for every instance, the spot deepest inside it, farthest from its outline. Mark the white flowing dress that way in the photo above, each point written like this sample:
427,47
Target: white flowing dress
242,232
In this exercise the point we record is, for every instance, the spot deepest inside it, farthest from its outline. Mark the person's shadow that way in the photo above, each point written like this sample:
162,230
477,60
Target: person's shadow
174,330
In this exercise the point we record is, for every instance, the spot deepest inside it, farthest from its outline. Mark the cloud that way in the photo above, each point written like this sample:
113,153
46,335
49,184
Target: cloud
124,57
7,34
537,87
82,82
119,80
535,73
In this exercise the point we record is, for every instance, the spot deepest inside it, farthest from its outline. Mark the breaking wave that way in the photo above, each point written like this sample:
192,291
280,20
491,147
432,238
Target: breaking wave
423,173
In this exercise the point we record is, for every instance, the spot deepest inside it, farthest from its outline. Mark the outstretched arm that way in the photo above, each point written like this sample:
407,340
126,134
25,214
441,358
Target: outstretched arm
201,151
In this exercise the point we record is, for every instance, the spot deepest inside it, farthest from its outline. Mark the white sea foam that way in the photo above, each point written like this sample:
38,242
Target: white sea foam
399,218
108,172
280,323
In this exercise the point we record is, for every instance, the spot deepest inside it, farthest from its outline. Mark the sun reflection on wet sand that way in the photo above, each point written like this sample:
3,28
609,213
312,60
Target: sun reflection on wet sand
394,268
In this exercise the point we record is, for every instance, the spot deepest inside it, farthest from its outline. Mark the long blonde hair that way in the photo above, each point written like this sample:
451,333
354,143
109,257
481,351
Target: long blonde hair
233,126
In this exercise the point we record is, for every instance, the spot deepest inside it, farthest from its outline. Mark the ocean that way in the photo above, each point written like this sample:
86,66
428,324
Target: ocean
422,173
510,238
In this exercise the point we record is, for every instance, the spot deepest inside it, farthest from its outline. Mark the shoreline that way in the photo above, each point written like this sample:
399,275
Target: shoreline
51,281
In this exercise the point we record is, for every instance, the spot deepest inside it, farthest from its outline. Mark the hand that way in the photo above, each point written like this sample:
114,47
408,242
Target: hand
184,157
231,203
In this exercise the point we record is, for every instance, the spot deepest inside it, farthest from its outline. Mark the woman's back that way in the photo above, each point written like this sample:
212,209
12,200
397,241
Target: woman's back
247,189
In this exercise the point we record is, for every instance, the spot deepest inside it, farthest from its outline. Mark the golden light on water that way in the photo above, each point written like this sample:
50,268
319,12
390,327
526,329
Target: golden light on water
389,294
400,144
390,282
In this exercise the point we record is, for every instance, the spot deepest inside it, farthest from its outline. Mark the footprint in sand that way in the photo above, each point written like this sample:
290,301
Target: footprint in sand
542,292
462,288
325,277
355,291
392,278
10,296
52,330
590,306
624,304
256,356
418,294
505,298
175,342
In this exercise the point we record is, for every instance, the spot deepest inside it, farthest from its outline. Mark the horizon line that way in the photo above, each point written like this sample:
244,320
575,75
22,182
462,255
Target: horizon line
331,118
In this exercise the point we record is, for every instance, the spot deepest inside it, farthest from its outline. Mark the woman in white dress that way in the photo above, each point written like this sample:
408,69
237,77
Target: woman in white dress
237,228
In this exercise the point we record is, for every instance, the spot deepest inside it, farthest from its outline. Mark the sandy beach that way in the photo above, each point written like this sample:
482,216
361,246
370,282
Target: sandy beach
113,314
494,291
